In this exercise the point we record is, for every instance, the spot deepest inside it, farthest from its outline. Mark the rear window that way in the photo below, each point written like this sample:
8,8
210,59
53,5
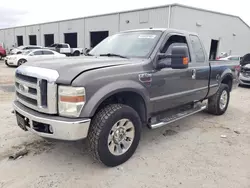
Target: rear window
48,53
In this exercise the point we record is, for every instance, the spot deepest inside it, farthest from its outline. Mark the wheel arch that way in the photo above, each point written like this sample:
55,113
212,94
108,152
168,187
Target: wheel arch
126,92
227,78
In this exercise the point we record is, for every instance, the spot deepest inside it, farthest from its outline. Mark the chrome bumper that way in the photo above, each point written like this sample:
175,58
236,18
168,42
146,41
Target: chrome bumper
244,80
61,128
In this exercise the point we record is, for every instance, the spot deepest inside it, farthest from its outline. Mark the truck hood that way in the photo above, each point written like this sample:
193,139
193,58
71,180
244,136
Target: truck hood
69,68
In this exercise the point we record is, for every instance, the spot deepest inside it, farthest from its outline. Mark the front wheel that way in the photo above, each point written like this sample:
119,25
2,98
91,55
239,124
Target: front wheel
218,103
114,134
20,62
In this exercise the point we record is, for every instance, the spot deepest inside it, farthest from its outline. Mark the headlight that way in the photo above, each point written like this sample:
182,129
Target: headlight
12,58
71,100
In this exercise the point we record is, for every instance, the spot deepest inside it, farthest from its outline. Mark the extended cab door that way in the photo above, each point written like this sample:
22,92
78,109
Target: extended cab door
175,87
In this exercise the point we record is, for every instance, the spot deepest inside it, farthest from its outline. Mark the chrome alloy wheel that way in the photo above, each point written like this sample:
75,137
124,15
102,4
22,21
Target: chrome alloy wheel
223,100
121,137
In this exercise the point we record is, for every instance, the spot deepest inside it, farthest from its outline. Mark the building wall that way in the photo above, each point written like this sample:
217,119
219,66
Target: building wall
33,30
213,26
9,39
50,28
231,32
1,37
157,17
20,31
72,26
101,23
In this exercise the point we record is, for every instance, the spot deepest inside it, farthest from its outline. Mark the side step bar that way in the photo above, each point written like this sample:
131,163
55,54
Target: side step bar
177,116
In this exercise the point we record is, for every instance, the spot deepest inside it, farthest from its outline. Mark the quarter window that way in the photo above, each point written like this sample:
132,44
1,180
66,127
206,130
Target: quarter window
48,53
38,53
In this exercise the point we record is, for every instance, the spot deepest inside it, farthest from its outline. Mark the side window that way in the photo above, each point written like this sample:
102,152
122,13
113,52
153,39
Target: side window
197,47
48,53
64,46
38,53
175,40
234,58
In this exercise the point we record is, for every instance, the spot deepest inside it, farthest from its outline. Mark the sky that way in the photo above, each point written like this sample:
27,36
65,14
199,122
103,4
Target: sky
25,12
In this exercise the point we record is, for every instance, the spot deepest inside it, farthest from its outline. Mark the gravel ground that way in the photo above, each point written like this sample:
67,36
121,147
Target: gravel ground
188,153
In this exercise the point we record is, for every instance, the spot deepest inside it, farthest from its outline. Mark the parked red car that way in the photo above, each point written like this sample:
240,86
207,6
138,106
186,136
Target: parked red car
2,52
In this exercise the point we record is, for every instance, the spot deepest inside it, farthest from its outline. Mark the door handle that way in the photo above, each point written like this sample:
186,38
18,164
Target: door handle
193,74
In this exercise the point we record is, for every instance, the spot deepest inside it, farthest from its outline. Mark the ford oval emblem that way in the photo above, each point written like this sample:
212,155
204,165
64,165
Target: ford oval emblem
23,88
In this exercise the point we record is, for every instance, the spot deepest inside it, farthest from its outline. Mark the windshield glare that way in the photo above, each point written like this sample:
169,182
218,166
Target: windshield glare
26,52
131,44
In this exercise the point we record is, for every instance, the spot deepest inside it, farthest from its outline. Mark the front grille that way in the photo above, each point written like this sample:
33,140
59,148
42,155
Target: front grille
26,78
27,99
245,81
33,92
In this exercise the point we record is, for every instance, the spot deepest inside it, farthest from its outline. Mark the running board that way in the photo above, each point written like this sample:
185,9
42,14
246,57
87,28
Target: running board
177,116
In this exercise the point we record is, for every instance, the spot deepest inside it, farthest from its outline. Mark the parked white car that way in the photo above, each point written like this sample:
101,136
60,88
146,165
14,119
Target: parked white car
65,48
32,55
21,49
231,58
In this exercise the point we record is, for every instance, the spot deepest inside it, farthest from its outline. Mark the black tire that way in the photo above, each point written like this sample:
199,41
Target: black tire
100,129
1,57
7,64
21,61
76,53
214,101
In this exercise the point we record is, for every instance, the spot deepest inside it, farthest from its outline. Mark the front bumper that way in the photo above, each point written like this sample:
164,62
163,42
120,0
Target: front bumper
244,80
10,62
54,127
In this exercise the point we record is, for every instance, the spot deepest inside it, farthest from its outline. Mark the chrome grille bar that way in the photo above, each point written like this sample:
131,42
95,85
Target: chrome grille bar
36,88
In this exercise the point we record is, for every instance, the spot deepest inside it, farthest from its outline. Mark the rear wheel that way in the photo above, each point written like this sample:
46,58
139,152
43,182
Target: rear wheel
21,61
76,53
1,57
218,103
114,134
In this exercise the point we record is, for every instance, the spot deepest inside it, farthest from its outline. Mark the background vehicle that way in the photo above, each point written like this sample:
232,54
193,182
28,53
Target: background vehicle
32,55
20,49
2,52
64,48
244,75
148,77
231,58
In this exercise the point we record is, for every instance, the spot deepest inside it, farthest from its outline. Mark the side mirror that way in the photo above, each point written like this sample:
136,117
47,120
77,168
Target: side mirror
177,60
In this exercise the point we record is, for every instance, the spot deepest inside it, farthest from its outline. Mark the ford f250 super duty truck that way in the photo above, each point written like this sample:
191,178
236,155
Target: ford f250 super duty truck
147,77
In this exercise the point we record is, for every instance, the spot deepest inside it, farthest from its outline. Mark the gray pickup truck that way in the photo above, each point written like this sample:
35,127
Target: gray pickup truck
147,77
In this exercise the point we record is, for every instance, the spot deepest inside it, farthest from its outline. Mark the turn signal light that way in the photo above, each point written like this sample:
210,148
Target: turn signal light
185,60
73,99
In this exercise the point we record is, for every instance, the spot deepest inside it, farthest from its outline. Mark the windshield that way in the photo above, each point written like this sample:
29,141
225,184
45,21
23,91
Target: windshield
26,52
131,44
20,47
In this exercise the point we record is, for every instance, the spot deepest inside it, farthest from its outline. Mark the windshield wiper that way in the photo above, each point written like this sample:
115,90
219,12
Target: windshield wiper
113,55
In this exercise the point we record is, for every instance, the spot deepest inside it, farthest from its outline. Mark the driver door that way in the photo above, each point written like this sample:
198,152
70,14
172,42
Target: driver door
173,87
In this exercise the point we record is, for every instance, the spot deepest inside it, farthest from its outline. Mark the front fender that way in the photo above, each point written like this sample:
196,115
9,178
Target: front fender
108,90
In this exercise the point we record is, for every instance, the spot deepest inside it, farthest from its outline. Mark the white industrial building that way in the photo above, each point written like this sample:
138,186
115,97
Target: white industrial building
219,32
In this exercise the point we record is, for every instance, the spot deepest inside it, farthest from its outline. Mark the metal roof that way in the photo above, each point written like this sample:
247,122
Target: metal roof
134,10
